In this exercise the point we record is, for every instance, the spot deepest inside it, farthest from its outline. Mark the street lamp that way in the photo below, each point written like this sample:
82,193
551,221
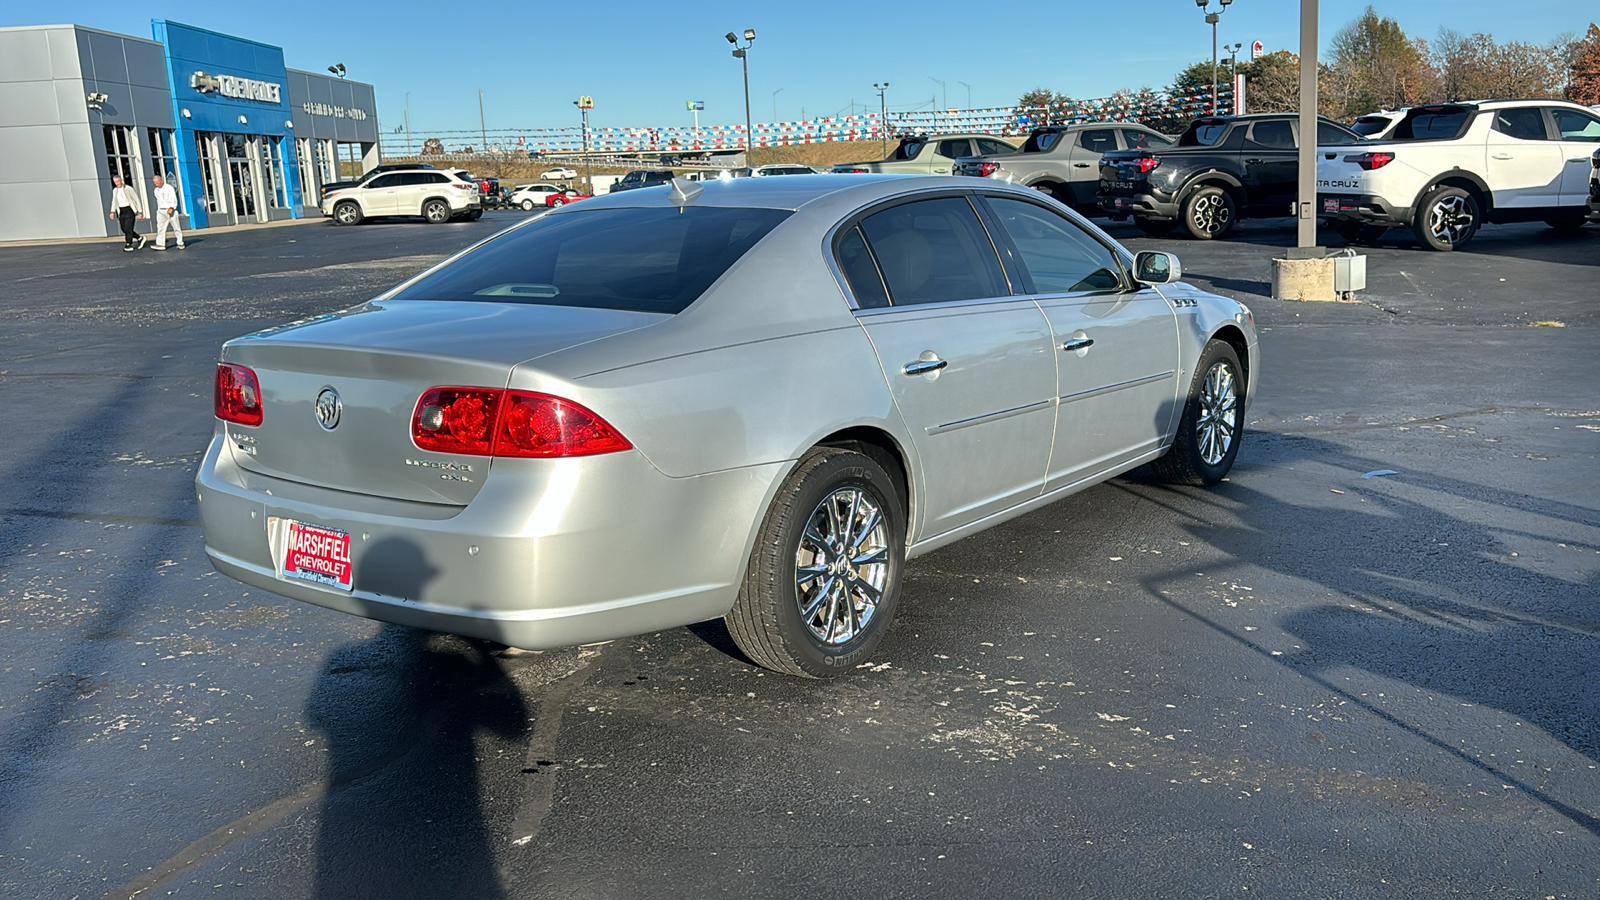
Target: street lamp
337,69
942,90
883,114
742,54
1233,74
775,103
969,92
1211,19
584,104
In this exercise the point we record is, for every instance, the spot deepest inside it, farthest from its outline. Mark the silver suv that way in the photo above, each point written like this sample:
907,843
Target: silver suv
437,196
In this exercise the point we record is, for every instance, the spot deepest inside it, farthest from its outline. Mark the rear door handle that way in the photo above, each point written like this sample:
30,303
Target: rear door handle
923,366
1080,165
1079,344
1254,162
1502,156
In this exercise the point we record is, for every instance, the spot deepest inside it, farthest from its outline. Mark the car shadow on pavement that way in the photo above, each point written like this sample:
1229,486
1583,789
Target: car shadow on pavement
1427,598
405,716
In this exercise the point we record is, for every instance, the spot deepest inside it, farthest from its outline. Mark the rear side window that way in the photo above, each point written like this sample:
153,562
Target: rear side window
1332,134
1576,126
1524,123
908,149
1060,257
856,262
1433,122
1203,133
934,251
1098,140
1041,141
644,260
1365,126
1277,135
955,149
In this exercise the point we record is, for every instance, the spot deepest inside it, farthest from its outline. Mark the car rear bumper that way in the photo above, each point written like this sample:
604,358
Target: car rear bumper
549,553
1145,206
1365,208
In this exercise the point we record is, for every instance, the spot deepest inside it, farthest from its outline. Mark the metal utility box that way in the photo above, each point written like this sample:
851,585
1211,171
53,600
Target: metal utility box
1349,273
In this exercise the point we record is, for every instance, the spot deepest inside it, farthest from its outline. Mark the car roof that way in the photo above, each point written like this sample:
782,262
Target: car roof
796,192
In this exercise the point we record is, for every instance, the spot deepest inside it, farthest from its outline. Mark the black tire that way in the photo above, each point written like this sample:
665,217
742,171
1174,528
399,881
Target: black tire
768,622
1213,412
1060,192
347,213
435,212
1209,213
1155,227
474,216
1359,232
1568,221
527,205
1447,218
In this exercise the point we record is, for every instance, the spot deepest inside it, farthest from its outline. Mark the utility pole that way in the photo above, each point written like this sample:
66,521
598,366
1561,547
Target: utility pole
408,123
883,114
482,128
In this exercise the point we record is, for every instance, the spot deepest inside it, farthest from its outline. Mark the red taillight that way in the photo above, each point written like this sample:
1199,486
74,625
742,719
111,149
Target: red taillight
237,397
1370,161
464,187
1146,163
485,422
988,168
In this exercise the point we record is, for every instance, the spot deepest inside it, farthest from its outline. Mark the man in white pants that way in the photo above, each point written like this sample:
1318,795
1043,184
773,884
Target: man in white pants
166,213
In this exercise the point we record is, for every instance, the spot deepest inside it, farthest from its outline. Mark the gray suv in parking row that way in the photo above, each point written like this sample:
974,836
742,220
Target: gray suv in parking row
640,178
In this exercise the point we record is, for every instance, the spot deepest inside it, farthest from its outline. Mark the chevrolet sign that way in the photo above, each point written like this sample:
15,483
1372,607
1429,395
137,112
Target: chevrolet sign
237,88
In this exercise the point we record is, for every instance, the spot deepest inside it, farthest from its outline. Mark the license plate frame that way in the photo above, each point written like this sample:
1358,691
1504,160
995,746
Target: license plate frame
318,554
1330,204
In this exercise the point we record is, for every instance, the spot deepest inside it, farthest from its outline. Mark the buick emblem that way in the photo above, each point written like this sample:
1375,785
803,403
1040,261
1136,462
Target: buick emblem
329,406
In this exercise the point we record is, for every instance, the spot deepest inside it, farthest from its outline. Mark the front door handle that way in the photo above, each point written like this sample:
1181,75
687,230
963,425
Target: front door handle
1502,156
924,366
1078,344
1254,162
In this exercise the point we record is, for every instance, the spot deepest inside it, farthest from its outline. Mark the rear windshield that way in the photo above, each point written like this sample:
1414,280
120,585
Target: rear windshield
1203,134
642,260
1366,126
1433,122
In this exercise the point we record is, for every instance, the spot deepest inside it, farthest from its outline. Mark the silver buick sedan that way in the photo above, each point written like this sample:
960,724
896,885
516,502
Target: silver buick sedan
752,399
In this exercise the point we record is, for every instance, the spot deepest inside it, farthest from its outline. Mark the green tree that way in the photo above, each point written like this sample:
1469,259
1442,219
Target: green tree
1373,65
1583,78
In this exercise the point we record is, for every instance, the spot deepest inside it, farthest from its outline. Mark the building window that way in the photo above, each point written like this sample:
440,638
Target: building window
122,155
164,160
272,172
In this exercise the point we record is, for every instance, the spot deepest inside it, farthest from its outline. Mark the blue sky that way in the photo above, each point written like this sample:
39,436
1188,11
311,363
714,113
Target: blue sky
641,61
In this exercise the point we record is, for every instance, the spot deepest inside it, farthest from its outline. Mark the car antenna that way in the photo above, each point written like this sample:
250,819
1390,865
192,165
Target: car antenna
684,191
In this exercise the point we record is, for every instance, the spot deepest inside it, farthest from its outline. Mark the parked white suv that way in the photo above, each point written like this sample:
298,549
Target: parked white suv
435,195
1450,167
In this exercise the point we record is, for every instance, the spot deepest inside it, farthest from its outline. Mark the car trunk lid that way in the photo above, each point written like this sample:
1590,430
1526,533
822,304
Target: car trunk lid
377,360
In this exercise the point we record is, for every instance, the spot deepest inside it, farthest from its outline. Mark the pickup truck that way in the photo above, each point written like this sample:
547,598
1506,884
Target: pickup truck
1064,161
1450,167
924,155
1221,170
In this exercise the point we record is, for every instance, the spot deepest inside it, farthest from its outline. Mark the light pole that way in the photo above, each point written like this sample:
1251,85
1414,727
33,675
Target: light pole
483,130
1211,19
408,123
883,114
743,55
775,103
584,104
1233,74
338,69
969,92
942,90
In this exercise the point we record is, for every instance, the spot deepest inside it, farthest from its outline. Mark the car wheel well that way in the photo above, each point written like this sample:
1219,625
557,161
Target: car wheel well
1205,181
1234,338
881,447
1480,194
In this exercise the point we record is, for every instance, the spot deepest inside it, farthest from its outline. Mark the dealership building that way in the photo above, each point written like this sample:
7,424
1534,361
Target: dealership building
243,138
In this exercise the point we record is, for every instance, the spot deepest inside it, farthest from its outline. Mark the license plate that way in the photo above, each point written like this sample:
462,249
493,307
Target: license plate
317,554
1119,202
1330,204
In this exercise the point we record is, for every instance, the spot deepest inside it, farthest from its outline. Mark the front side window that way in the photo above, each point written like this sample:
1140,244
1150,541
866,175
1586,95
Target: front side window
644,260
384,181
1059,256
1098,140
1523,123
1576,126
934,251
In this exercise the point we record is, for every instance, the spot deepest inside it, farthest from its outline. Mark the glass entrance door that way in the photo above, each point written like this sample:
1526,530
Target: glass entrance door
241,177
219,211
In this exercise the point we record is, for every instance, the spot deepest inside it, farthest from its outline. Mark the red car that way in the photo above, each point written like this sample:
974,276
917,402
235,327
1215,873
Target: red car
562,198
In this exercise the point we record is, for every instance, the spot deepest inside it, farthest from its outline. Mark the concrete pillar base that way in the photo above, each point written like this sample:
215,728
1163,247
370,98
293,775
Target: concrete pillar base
1303,279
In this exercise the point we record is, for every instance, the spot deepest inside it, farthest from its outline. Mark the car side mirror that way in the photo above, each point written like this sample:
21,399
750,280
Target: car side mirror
1155,267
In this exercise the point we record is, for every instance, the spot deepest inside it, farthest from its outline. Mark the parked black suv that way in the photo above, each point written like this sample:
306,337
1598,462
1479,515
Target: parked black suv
1223,169
639,178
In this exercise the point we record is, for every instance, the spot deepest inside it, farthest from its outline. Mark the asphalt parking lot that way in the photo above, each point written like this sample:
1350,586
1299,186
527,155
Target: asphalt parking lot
1310,681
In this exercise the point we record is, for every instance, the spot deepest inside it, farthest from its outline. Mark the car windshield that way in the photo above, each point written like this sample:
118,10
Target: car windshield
643,260
1203,133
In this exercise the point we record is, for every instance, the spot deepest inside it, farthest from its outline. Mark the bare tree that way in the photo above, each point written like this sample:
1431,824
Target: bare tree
1583,68
1375,66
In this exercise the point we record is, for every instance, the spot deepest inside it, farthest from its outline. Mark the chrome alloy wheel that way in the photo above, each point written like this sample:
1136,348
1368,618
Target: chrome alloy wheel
1211,214
842,565
1451,219
1219,404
